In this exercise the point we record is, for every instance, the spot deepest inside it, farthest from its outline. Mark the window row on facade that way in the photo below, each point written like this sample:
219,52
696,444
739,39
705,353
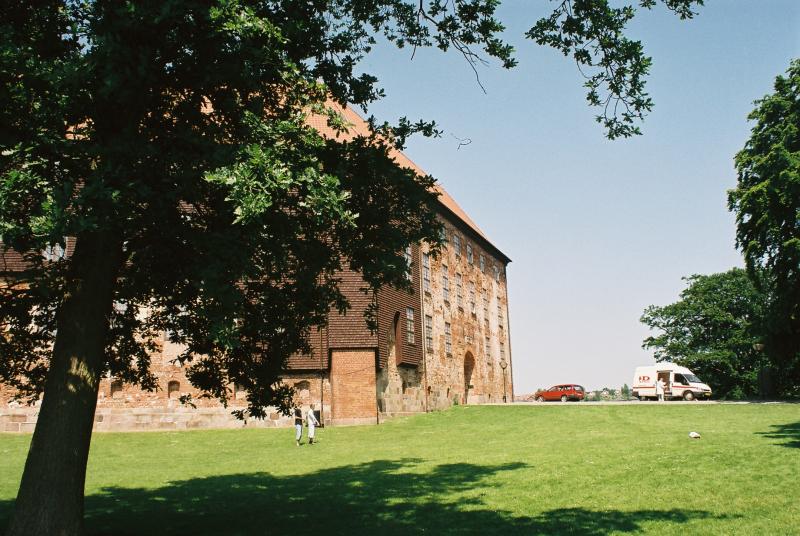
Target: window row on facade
461,247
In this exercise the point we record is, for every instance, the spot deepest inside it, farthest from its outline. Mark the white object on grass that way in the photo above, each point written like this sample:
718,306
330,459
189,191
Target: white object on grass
694,435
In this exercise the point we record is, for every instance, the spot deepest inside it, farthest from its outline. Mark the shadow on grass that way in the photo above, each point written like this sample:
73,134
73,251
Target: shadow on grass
381,497
788,433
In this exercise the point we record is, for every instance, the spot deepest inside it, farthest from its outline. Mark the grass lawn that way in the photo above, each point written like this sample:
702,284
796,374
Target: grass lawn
543,469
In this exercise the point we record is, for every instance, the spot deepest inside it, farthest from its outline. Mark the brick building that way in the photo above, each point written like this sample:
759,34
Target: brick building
446,343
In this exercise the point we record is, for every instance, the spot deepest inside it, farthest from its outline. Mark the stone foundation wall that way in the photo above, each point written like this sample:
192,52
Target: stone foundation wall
400,390
129,408
150,419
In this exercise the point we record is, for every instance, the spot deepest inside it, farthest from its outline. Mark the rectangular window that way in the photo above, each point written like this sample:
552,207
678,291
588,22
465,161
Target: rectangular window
485,307
472,297
486,350
482,263
426,272
408,263
499,315
443,236
445,284
469,253
448,339
502,352
457,244
53,252
429,332
496,272
459,296
409,325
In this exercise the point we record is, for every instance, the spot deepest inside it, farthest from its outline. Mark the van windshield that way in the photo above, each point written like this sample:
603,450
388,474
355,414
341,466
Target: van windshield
692,378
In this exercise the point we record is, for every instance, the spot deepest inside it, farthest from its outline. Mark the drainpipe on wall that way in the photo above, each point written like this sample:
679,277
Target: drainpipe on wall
423,340
508,321
322,398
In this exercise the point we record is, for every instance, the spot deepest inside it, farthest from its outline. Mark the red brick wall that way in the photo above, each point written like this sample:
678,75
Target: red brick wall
353,386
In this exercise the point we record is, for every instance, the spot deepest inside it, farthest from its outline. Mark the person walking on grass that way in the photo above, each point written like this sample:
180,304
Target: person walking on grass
312,422
298,425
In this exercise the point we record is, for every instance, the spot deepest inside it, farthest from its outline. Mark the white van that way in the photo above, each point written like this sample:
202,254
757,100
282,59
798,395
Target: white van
679,382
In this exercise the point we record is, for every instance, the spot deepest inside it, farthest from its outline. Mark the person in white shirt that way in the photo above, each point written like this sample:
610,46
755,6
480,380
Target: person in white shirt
660,389
312,422
298,425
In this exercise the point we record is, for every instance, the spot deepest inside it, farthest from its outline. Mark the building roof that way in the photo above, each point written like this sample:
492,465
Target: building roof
11,261
357,126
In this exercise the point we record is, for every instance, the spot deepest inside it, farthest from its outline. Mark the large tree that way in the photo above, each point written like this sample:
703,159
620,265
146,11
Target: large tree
715,330
766,202
169,140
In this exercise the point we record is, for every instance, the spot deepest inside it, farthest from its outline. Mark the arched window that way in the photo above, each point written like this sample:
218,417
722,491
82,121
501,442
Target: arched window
173,389
239,391
302,391
116,389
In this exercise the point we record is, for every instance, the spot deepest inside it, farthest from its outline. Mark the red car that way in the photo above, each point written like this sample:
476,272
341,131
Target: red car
562,392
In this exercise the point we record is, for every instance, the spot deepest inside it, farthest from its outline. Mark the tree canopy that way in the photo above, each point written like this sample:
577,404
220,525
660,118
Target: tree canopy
713,329
766,202
168,140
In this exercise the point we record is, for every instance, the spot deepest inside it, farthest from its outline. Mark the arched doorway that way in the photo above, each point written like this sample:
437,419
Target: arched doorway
394,340
469,368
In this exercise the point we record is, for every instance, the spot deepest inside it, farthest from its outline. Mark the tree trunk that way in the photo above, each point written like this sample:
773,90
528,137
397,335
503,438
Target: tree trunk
50,497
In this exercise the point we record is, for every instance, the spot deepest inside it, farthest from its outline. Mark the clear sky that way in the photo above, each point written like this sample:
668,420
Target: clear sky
597,230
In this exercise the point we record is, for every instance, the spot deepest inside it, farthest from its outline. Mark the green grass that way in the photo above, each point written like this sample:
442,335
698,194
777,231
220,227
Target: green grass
545,469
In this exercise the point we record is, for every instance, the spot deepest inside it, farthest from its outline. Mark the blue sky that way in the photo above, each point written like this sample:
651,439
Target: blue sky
597,230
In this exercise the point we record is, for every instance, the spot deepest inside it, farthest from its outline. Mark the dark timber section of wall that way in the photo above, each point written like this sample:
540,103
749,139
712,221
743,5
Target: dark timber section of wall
348,330
393,302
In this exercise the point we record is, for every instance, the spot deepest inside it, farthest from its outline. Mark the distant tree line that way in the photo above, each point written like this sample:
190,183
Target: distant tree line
740,330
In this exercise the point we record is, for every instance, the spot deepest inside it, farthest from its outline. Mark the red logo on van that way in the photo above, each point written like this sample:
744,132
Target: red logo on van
644,379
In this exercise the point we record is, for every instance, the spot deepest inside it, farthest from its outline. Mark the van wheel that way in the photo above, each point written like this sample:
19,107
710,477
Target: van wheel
688,396
564,398
540,399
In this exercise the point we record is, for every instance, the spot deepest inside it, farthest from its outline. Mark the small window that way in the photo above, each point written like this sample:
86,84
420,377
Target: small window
429,332
408,257
482,263
496,273
457,244
426,272
173,389
502,352
680,379
116,389
499,315
487,352
469,253
409,325
459,296
303,391
472,297
448,339
53,252
445,284
240,392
